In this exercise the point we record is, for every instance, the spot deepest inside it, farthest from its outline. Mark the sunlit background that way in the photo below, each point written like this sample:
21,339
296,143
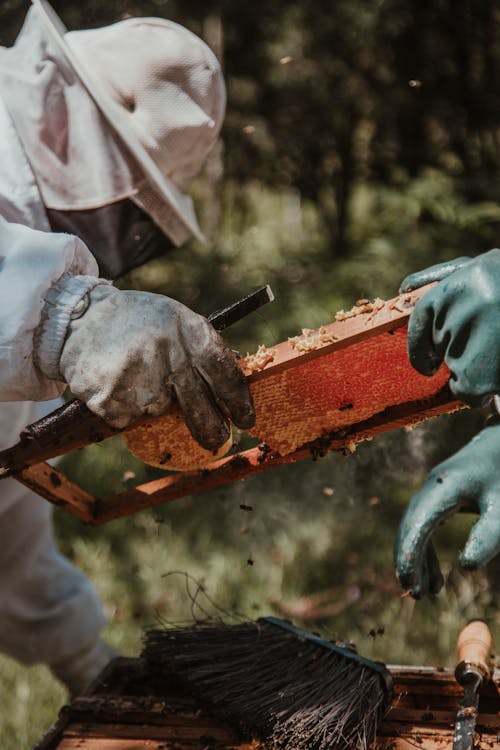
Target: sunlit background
362,142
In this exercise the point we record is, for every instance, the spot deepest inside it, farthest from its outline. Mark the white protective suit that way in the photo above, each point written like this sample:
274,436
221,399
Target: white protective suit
58,153
49,611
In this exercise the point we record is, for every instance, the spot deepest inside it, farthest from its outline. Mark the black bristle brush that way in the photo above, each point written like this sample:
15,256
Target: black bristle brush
275,682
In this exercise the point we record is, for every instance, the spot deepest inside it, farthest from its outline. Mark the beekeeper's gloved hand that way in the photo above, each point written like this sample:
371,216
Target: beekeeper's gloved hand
127,354
458,321
471,480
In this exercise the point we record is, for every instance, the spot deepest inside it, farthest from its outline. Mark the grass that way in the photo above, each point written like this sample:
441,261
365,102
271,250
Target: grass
317,535
318,540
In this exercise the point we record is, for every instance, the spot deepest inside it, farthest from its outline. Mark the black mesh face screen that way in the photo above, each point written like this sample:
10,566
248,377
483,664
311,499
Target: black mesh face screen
120,236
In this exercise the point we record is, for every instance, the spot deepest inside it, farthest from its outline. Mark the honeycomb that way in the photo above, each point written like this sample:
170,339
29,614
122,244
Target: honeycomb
321,381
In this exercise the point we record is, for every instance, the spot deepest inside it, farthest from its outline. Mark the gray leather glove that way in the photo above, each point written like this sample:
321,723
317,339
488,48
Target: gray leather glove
135,353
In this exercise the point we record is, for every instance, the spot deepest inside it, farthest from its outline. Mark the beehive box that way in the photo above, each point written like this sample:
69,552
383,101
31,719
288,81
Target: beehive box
129,708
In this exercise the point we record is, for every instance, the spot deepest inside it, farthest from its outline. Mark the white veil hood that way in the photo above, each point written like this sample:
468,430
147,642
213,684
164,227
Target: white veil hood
69,96
76,160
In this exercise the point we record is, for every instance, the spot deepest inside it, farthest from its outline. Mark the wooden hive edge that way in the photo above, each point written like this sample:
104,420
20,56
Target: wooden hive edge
104,718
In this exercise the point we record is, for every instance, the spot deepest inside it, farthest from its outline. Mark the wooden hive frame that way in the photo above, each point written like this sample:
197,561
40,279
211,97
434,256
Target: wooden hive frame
369,387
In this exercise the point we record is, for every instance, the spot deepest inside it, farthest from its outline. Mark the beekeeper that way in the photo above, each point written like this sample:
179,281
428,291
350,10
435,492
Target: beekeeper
458,322
101,133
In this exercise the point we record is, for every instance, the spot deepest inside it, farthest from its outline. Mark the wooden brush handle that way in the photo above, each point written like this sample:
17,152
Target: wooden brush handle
474,646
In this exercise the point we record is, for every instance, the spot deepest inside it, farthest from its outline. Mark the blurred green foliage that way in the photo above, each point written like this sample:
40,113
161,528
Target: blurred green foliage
362,142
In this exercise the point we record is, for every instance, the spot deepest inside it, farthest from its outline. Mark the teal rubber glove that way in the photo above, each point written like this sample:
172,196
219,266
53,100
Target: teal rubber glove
469,480
458,321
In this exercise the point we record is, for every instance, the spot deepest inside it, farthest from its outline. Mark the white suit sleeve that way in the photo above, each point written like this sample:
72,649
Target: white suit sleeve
32,266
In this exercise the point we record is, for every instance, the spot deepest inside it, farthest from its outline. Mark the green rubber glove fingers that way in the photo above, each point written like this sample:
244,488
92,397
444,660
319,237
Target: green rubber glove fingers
458,321
437,272
468,480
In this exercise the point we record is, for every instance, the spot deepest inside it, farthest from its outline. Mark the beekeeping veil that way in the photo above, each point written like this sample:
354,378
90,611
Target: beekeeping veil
125,111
